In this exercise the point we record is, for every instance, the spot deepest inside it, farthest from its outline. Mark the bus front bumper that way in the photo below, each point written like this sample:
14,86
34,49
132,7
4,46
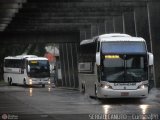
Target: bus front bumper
111,93
39,82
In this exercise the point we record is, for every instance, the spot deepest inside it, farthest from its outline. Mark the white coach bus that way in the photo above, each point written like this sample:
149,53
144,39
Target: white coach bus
26,70
115,66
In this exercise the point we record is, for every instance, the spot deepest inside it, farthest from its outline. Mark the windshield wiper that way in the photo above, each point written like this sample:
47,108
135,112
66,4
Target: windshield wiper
116,81
130,81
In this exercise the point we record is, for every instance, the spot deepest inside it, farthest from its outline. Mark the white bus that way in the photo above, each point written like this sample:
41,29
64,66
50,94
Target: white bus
26,70
115,66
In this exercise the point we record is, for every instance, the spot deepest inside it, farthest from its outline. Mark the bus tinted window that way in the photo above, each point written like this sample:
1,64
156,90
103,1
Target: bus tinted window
123,47
87,52
39,68
14,63
125,69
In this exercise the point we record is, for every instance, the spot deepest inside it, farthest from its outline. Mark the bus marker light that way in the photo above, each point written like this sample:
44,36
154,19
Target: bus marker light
112,56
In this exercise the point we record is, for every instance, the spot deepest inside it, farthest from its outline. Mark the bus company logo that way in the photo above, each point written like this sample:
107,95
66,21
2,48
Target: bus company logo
4,117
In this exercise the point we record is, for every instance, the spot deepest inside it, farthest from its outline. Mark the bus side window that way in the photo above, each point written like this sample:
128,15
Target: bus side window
87,57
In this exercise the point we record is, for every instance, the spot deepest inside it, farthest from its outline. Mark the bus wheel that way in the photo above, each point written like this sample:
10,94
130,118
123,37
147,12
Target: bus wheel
83,88
95,90
24,83
43,85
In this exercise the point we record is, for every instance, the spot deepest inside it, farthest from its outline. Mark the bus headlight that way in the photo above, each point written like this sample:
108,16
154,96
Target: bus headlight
30,81
142,86
105,86
49,81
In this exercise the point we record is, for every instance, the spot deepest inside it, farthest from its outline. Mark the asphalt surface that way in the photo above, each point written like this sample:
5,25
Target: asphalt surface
36,103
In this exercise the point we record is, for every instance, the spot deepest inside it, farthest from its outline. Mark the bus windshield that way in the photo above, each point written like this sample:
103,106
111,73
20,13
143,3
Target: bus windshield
124,68
38,68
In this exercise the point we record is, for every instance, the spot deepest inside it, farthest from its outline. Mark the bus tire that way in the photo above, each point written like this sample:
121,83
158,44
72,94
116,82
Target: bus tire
43,85
95,90
83,88
24,83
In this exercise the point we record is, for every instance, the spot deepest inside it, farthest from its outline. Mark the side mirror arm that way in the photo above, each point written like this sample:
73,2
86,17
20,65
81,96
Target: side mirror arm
98,58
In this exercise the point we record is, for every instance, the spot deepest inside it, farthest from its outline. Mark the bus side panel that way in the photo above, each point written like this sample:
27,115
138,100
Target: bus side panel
16,78
89,80
19,78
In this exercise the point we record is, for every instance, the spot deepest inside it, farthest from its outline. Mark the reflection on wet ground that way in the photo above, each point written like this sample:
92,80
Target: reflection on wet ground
30,91
49,100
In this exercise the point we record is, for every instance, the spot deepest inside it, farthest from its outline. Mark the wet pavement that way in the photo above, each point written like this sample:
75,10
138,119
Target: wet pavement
27,103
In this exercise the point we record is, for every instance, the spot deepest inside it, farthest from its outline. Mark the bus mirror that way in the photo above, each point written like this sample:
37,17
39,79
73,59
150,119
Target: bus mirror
28,68
151,59
98,60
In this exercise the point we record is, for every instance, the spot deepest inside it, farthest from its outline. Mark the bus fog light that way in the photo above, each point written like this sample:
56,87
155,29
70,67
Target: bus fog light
142,86
30,81
49,81
106,86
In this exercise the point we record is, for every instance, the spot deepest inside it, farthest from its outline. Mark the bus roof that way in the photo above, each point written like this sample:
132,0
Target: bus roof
20,57
37,58
138,39
28,57
112,37
86,41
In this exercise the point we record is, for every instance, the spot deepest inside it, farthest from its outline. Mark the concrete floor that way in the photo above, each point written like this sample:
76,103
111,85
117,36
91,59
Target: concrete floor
27,103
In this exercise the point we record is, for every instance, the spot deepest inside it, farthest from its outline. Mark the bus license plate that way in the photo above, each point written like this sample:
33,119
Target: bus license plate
124,94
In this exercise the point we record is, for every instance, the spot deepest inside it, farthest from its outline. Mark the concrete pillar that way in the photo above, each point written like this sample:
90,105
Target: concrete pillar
82,35
68,59
123,21
128,23
98,29
63,65
109,27
85,33
118,22
88,33
141,24
94,30
153,10
101,28
74,64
